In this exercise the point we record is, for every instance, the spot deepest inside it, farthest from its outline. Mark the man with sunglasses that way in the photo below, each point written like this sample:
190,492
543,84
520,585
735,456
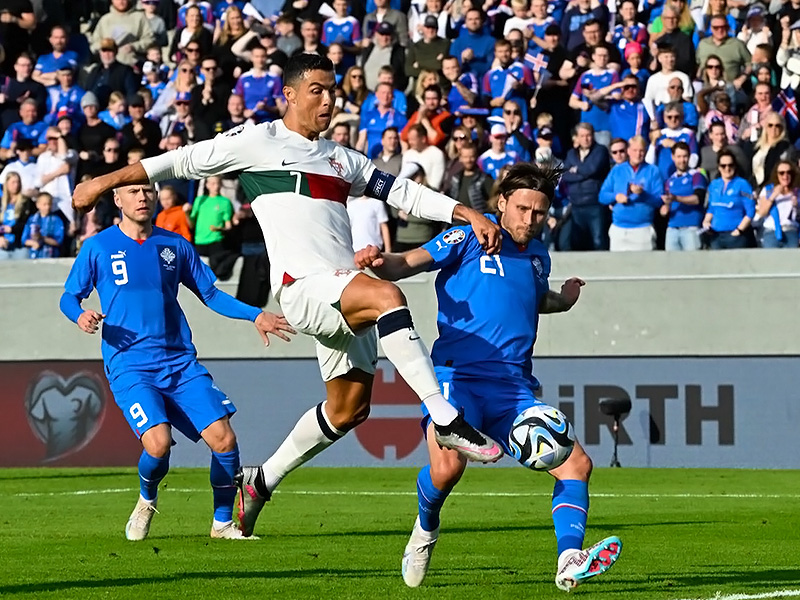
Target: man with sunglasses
628,116
675,93
663,140
731,206
732,52
207,105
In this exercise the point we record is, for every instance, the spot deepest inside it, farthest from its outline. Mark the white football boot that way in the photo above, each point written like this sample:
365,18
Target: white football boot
138,525
417,555
576,566
250,501
229,531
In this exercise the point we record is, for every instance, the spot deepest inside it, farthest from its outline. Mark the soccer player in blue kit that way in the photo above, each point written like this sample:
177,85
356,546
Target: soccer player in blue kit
148,355
489,308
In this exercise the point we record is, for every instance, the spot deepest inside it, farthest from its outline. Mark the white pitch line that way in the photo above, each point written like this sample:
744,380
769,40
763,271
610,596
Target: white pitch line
412,493
775,594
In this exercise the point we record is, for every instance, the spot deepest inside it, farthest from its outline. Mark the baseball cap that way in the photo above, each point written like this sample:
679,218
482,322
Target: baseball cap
498,130
63,64
755,11
384,28
65,112
108,44
552,29
148,67
183,97
431,21
136,100
545,133
633,48
89,99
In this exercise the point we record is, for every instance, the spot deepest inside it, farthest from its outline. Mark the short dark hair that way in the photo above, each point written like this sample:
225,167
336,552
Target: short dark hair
618,141
388,129
345,125
681,146
727,152
419,129
433,88
303,63
501,43
591,22
542,178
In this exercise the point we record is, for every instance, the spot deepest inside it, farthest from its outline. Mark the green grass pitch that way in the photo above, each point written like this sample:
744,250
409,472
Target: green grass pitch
339,533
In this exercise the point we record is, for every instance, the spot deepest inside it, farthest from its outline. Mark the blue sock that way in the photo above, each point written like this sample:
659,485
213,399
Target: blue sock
223,467
431,499
570,509
151,471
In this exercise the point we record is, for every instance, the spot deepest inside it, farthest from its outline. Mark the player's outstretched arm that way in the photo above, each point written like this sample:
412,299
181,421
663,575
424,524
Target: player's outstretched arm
87,193
265,322
393,266
554,302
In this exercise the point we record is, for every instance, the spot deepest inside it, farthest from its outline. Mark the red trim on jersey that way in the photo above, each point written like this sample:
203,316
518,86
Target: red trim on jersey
521,247
287,279
328,187
140,242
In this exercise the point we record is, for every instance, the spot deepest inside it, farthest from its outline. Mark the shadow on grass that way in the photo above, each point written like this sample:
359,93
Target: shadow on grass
43,476
120,582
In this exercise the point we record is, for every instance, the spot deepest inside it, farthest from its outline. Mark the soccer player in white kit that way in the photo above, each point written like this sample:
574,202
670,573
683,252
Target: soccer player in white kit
298,184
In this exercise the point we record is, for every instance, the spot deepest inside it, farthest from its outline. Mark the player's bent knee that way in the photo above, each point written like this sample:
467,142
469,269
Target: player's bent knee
446,470
388,296
157,441
577,466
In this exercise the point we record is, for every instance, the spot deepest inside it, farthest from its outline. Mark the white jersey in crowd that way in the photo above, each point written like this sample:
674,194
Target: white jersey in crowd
366,217
298,191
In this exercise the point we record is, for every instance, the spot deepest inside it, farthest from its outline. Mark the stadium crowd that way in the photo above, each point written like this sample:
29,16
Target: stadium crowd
676,122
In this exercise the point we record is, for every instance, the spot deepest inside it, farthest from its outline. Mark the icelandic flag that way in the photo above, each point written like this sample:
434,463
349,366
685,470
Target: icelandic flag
785,103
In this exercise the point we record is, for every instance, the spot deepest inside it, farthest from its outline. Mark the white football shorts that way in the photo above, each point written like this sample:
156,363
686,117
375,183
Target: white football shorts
311,305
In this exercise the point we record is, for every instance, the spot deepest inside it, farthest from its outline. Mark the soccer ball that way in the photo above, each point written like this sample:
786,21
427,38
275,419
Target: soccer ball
541,438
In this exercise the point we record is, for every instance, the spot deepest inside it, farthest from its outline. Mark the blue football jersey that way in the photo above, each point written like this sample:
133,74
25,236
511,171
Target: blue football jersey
138,285
488,305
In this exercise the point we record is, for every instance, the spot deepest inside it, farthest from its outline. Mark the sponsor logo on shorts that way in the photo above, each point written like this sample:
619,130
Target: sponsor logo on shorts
454,237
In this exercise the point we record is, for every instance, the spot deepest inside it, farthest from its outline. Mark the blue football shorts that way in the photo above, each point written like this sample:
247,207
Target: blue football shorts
489,404
184,397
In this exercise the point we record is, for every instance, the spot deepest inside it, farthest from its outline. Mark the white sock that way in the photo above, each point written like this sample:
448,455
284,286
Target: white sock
404,348
303,443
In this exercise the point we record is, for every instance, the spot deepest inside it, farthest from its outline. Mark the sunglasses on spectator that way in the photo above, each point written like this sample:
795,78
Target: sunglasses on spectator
782,173
776,125
193,50
459,138
211,68
726,165
356,76
630,86
618,151
713,66
185,70
52,139
671,117
718,27
511,112
110,149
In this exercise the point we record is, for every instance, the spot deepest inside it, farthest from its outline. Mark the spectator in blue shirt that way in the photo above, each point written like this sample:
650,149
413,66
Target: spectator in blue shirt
464,87
586,166
473,47
574,19
588,95
628,116
44,231
65,94
675,92
684,198
633,191
731,206
660,151
374,122
29,128
776,213
47,65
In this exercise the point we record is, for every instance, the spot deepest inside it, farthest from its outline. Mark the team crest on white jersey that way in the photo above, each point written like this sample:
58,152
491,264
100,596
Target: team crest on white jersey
168,256
336,166
454,237
235,131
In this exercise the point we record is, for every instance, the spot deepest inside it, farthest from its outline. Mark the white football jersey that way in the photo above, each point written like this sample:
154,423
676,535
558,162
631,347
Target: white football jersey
298,191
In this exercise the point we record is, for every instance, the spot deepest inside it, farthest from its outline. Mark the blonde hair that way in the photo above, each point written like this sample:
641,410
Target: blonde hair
227,35
419,88
450,148
347,87
544,119
115,97
762,140
18,199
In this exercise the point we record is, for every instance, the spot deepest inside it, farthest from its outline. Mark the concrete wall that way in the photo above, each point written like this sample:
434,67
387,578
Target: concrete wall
635,304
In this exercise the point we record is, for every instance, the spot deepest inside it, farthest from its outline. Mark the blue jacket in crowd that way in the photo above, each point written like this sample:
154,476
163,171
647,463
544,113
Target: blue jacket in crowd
728,204
638,211
583,186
